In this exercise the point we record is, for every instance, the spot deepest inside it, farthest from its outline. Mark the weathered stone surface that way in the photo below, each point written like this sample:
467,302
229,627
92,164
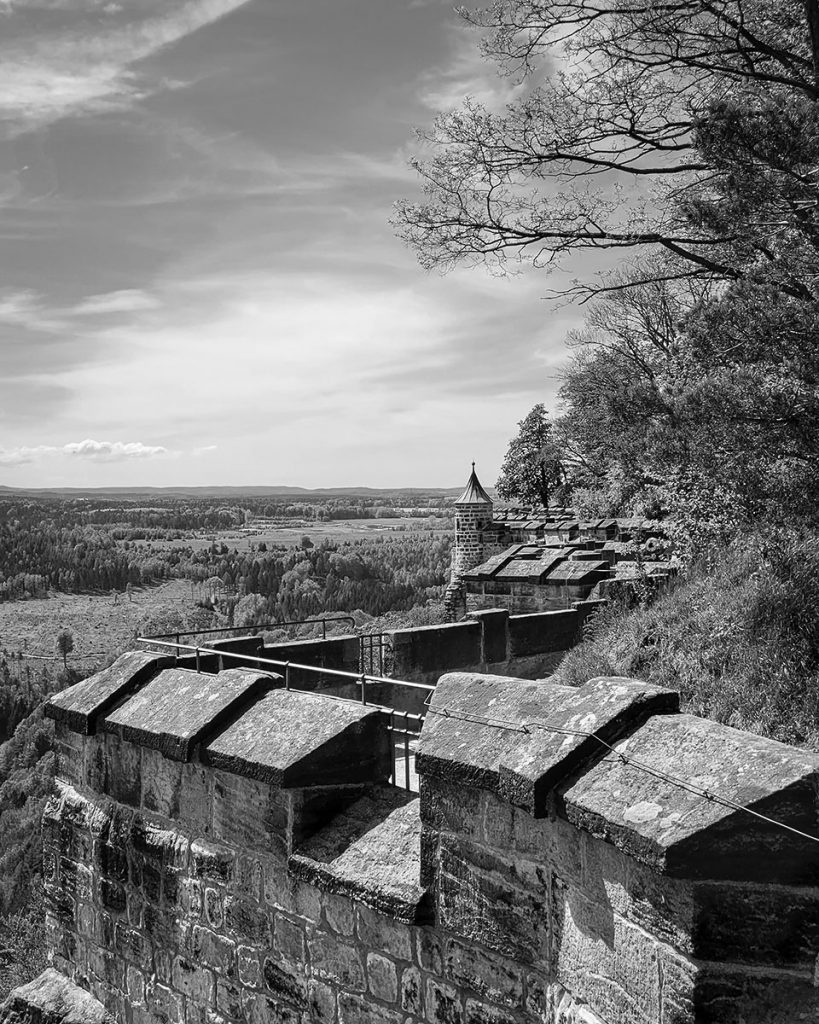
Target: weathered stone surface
483,899
291,739
537,734
53,999
382,977
682,833
79,706
371,852
180,707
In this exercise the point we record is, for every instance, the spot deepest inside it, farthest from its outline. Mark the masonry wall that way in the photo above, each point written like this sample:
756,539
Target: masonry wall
524,598
490,640
195,915
175,903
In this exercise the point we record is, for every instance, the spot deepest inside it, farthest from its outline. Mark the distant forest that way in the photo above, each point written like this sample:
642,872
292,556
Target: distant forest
77,546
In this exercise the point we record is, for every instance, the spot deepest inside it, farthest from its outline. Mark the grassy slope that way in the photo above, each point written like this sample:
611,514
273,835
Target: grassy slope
739,638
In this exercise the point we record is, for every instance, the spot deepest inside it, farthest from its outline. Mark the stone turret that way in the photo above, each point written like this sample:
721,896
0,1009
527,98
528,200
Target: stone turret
473,513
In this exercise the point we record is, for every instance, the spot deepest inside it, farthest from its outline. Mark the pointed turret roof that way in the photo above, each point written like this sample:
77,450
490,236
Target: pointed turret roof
474,493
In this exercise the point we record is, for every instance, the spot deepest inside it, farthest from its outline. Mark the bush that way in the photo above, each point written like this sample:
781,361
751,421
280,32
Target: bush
738,636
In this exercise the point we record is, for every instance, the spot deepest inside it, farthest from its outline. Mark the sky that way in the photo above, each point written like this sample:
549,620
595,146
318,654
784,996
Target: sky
200,284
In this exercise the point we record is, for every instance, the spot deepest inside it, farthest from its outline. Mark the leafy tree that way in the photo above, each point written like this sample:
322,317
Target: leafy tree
65,645
533,466
709,106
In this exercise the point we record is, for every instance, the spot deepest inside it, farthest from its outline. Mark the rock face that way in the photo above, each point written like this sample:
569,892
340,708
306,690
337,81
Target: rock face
53,999
225,851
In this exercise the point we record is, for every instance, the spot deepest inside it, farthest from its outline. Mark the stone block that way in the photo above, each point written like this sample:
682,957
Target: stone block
336,961
161,784
494,978
194,981
382,978
321,1000
540,632
478,1012
79,706
435,648
370,851
612,965
213,901
289,940
412,989
164,1004
247,921
545,731
480,898
450,807
135,986
250,972
494,623
249,813
286,982
377,931
216,951
212,861
339,912
430,950
443,1003
292,740
262,1009
179,708
682,834
249,878
228,998
355,1010
52,998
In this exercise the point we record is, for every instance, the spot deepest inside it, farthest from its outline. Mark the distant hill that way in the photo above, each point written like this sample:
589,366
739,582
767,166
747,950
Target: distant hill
276,491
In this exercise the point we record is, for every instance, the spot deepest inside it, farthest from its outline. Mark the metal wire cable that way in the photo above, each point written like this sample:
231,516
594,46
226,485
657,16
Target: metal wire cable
674,780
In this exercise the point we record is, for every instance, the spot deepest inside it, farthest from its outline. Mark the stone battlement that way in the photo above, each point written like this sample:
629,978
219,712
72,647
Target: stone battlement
225,850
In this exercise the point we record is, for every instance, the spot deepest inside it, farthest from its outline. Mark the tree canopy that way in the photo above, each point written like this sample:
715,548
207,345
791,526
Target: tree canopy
685,126
533,468
687,133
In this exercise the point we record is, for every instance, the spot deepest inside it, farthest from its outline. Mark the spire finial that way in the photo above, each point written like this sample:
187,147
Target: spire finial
473,465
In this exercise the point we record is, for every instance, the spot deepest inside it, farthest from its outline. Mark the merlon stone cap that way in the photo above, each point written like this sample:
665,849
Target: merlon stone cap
686,835
537,735
80,705
180,707
51,998
291,739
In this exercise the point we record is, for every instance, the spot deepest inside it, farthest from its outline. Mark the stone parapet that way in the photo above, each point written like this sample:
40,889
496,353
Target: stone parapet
563,863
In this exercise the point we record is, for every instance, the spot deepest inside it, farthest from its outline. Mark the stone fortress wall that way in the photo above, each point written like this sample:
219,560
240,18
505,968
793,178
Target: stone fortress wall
226,851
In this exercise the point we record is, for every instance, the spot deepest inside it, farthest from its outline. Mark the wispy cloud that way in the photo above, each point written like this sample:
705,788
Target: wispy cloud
127,300
96,451
89,68
466,73
24,308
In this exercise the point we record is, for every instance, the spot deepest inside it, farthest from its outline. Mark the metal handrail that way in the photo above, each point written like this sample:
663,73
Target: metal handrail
262,625
360,677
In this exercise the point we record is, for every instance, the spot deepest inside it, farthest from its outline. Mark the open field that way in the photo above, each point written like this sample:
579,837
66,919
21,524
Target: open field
99,625
290,535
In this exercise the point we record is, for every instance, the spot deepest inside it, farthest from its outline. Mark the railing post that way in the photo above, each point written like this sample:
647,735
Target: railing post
406,752
324,629
287,676
198,669
363,688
